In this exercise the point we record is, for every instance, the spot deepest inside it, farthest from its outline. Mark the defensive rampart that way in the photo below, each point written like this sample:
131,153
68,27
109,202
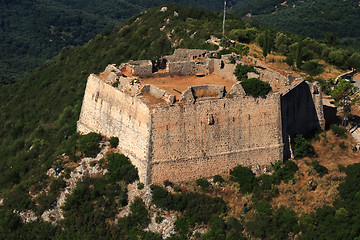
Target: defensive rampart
208,130
111,112
212,136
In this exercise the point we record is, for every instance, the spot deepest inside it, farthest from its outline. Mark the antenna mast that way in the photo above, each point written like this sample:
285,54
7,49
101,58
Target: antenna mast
224,20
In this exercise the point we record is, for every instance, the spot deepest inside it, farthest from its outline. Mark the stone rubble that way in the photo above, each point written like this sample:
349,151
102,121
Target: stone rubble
83,169
167,225
26,216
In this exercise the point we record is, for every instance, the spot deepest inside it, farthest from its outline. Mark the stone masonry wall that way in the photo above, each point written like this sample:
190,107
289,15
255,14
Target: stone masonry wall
182,68
226,72
142,68
109,111
302,112
184,146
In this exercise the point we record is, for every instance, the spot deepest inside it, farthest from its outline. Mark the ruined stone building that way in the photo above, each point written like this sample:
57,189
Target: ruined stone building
187,117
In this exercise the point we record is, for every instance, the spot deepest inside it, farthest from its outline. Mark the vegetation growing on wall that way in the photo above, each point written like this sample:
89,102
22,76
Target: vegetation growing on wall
255,87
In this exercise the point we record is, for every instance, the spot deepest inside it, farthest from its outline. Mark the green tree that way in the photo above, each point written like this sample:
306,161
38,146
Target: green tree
241,71
354,61
245,177
302,148
345,95
256,87
267,44
114,142
331,39
338,57
313,68
282,42
240,49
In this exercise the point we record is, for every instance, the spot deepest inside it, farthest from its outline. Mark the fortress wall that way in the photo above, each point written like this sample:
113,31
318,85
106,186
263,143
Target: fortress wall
186,54
245,130
201,68
142,70
226,72
302,112
182,68
275,79
111,112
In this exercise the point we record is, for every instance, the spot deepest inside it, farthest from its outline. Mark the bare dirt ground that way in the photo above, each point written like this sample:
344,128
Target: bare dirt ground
297,195
181,83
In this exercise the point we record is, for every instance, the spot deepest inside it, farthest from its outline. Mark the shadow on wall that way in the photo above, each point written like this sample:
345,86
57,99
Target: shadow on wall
330,116
299,115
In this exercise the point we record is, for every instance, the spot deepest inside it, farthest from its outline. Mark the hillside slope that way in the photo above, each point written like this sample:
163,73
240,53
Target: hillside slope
38,132
313,18
39,109
34,31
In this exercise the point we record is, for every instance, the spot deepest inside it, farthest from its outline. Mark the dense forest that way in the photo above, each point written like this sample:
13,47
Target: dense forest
316,19
34,31
39,115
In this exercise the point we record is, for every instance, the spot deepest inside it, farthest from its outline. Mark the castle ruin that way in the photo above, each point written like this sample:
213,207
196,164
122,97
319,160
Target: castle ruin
186,116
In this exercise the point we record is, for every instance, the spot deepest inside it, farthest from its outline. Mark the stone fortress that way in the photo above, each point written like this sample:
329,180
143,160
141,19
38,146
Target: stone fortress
186,116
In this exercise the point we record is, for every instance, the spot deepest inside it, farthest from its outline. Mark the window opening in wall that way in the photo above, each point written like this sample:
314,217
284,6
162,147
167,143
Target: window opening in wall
211,119
159,65
222,64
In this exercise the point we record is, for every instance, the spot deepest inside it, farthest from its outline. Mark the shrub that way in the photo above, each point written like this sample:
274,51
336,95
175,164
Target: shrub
89,144
342,145
326,86
256,87
114,142
302,148
284,172
245,177
168,183
218,179
320,169
197,207
232,60
140,186
224,51
139,214
159,219
120,169
161,197
56,185
242,70
313,68
18,198
45,201
116,84
263,208
338,131
203,183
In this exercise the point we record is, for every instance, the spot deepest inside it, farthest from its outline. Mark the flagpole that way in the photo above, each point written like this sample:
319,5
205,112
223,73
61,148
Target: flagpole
224,19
